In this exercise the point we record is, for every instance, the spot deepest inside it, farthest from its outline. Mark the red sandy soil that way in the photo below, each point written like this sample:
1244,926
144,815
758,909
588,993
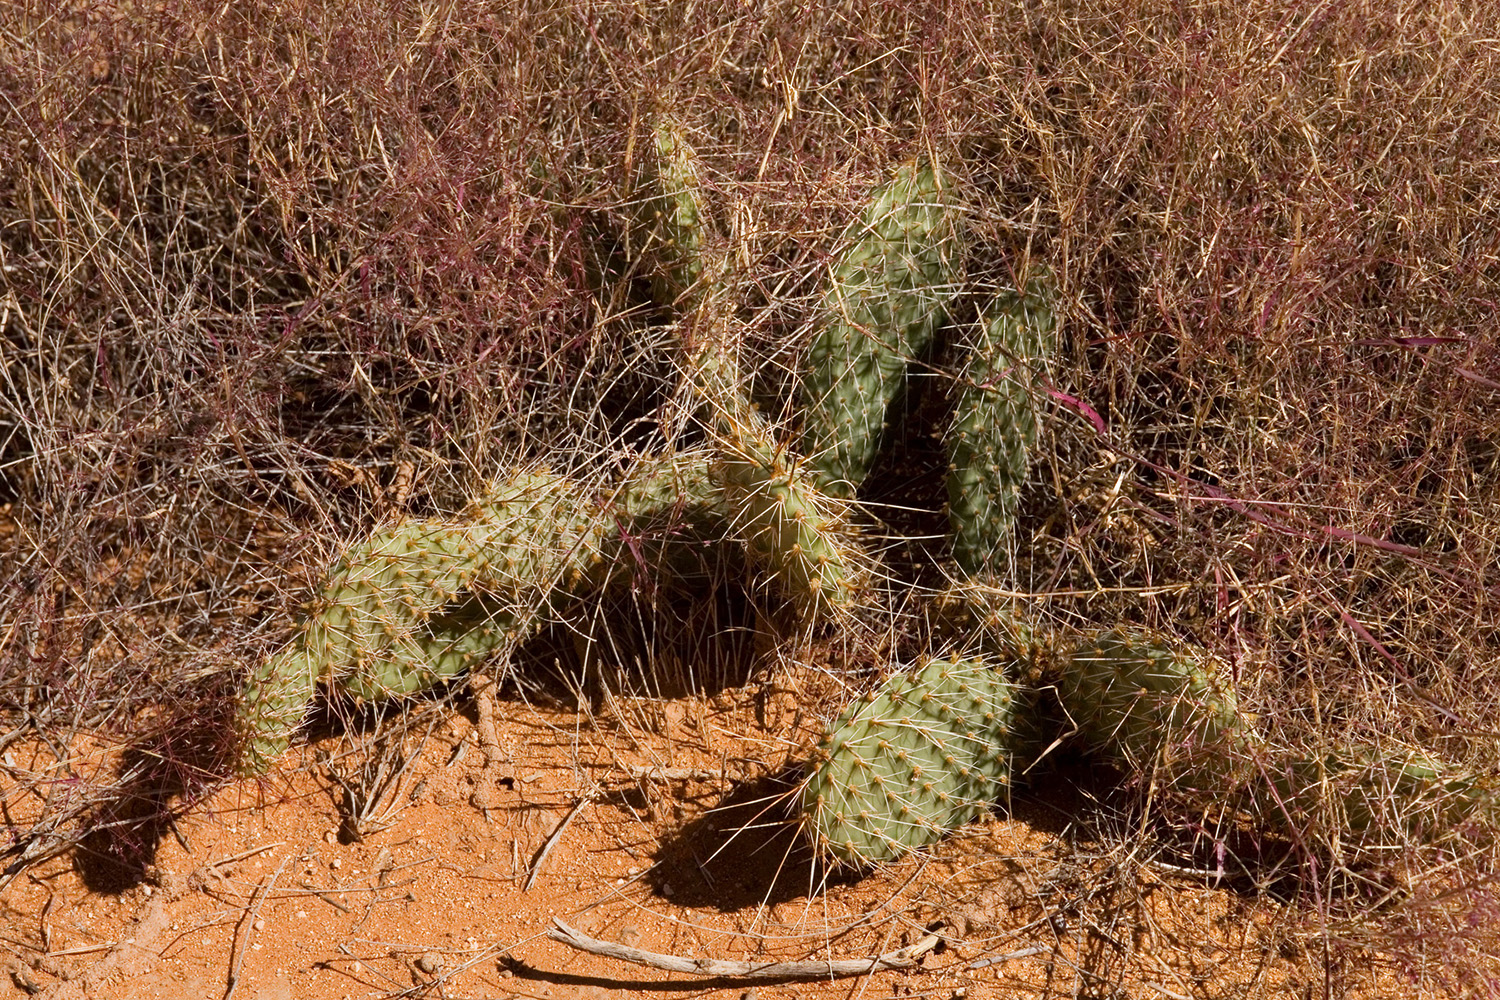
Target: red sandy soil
681,845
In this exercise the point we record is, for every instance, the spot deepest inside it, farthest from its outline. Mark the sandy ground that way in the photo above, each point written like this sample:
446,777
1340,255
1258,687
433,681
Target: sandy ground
668,832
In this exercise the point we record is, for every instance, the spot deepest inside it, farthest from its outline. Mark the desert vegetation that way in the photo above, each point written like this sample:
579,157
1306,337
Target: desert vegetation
1127,373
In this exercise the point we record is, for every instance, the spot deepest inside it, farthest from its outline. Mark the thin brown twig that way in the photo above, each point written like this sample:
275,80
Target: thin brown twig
546,849
901,958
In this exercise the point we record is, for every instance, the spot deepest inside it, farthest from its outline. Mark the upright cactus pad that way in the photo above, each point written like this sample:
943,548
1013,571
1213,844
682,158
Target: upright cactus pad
887,297
675,215
1139,703
910,762
791,528
996,426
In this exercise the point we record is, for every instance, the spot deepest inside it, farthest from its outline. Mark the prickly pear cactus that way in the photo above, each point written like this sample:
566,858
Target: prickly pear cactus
910,762
996,425
371,634
801,535
1140,703
674,214
887,297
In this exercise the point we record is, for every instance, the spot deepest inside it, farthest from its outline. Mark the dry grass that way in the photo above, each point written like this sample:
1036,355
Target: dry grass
274,271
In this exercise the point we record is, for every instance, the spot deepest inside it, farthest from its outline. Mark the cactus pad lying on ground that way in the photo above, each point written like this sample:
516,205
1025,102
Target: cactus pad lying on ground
371,634
1139,703
910,762
420,602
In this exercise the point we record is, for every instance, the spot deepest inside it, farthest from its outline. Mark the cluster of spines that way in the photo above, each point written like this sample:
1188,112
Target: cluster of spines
887,296
911,762
995,425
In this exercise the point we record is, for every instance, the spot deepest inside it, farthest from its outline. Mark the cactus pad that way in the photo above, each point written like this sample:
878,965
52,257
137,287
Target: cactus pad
675,215
888,295
910,762
996,426
1139,703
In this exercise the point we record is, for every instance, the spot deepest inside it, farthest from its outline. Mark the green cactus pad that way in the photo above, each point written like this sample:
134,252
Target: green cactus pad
1140,703
376,631
887,297
1371,791
800,535
273,703
674,216
910,762
996,427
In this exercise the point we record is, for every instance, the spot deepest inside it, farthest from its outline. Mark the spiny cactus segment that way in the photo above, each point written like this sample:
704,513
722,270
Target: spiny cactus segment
1373,790
1140,703
996,425
674,214
371,634
770,499
910,762
886,299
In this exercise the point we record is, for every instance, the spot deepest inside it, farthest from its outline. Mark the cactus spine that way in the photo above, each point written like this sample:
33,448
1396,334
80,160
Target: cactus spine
887,298
996,426
910,762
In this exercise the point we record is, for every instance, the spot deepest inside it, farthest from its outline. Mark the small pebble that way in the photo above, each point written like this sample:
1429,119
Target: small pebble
335,863
260,925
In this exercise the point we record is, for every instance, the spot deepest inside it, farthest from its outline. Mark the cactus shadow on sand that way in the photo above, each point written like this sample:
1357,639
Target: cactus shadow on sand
159,779
747,850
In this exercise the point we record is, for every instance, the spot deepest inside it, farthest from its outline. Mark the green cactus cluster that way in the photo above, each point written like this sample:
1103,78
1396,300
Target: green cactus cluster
421,601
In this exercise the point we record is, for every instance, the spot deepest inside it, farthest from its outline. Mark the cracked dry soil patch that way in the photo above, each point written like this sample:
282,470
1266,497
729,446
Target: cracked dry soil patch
674,838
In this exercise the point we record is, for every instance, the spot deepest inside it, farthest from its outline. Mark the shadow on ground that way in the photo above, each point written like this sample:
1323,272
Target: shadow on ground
745,851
